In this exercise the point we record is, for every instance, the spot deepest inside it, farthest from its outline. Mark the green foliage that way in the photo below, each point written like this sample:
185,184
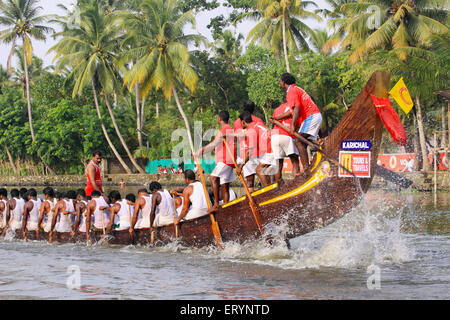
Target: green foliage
263,72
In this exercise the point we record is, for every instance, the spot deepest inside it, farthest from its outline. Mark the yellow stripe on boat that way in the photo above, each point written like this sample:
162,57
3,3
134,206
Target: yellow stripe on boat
319,158
254,194
266,189
232,203
318,177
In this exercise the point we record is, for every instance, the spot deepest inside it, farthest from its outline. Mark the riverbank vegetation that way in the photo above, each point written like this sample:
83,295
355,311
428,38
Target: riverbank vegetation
127,73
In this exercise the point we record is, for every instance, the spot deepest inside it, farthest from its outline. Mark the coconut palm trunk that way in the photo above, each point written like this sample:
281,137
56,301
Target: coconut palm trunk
186,121
105,133
11,161
426,164
27,89
286,55
124,144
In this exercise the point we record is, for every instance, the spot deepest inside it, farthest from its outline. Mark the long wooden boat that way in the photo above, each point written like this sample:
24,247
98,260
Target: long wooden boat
301,205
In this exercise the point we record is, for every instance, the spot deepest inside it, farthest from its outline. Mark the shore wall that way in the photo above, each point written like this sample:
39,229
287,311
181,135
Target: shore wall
422,181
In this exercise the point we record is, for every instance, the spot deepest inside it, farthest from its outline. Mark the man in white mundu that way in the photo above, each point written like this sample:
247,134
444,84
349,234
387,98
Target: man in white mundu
47,210
120,213
163,212
31,213
195,203
142,210
15,207
98,207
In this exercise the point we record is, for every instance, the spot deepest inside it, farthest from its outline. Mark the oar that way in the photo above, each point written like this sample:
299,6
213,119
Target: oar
103,222
253,206
316,147
214,224
175,215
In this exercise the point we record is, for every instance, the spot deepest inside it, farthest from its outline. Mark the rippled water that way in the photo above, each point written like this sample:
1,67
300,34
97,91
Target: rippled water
403,237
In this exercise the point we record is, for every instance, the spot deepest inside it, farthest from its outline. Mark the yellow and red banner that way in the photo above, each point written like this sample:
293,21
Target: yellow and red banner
401,95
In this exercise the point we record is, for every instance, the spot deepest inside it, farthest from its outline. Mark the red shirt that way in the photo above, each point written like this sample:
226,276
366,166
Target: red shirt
98,180
297,97
258,139
238,129
222,155
286,121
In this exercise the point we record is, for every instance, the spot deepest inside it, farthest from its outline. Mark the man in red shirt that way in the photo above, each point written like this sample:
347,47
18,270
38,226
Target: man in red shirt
223,174
93,174
249,106
304,112
283,143
258,158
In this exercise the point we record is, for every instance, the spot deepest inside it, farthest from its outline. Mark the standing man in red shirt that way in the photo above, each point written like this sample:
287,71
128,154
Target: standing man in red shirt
249,106
283,143
93,174
305,114
223,174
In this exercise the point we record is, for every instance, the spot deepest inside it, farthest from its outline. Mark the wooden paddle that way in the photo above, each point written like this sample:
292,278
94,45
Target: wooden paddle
253,206
214,224
103,222
175,216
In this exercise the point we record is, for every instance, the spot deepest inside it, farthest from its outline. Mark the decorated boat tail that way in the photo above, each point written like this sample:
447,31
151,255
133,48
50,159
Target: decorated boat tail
336,183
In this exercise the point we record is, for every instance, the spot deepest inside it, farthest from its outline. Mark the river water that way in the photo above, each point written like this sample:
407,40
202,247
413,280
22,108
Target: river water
392,246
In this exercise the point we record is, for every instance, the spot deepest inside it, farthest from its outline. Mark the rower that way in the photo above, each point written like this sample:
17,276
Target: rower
250,107
98,208
162,213
80,211
305,114
15,207
283,143
3,203
223,174
31,213
194,197
142,210
259,158
71,196
93,174
60,221
120,213
47,210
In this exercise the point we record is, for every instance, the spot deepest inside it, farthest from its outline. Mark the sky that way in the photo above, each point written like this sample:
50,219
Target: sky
203,19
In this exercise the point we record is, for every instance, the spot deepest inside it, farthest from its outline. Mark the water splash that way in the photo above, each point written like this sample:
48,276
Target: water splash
370,234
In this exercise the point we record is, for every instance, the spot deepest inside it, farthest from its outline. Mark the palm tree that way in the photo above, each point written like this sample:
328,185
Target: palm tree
403,25
35,71
162,55
4,78
24,22
318,41
89,50
282,26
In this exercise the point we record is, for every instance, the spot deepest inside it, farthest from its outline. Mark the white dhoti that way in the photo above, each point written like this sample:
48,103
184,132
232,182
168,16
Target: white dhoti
161,220
196,213
32,225
16,225
124,224
143,223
